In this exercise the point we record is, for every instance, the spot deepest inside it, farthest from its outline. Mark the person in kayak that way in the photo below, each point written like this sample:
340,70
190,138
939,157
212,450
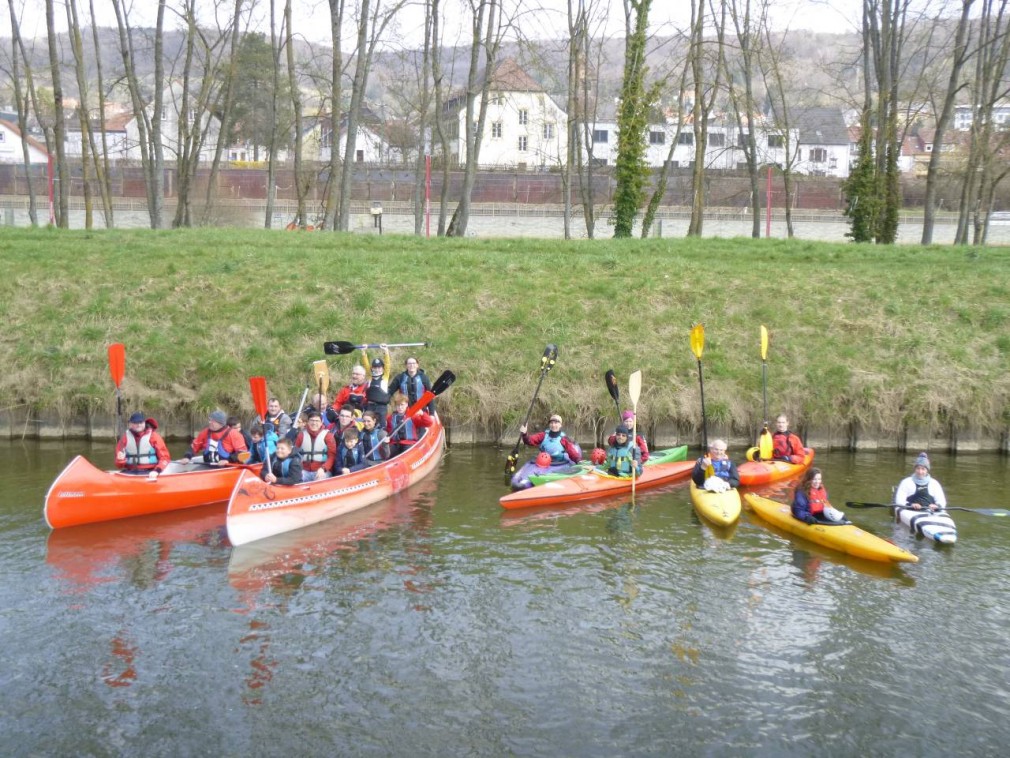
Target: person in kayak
628,420
920,490
810,501
217,443
786,446
714,471
141,450
623,455
554,442
284,468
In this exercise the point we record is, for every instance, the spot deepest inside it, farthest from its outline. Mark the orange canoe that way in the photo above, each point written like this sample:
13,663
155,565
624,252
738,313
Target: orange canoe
258,510
594,485
754,473
84,494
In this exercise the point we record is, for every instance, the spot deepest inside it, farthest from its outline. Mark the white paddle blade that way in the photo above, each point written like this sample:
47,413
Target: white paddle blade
635,387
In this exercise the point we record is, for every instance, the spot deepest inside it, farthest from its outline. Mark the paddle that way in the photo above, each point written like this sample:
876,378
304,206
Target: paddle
765,438
117,367
258,387
614,391
698,347
550,357
439,386
634,392
321,370
980,511
340,347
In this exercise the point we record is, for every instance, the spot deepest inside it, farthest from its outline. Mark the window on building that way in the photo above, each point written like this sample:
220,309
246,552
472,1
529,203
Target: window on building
717,139
3,136
548,131
601,136
685,138
598,161
742,138
673,164
818,155
775,140
522,144
524,117
657,138
359,156
496,130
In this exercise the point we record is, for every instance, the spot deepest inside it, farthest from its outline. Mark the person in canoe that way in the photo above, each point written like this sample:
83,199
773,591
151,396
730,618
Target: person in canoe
412,382
810,501
284,467
623,455
411,431
264,442
349,456
141,450
236,423
786,446
217,443
378,389
317,448
277,418
628,420
346,419
920,490
554,442
372,439
714,471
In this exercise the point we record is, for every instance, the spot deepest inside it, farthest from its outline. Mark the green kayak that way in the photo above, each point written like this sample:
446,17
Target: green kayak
656,457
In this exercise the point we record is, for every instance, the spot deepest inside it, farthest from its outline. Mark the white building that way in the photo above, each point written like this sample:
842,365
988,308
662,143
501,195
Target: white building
524,128
10,146
964,116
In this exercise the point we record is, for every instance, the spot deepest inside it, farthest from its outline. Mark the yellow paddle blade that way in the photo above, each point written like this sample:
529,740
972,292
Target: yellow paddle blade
635,387
698,340
752,453
764,343
765,444
321,370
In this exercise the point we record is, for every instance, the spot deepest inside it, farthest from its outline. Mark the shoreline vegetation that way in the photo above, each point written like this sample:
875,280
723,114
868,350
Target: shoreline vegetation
896,347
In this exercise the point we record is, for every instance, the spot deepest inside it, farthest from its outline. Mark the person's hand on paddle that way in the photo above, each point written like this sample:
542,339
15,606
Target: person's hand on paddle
269,478
706,460
522,429
320,474
121,455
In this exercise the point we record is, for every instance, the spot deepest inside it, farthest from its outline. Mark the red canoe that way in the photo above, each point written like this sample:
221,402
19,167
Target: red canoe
258,510
84,494
754,473
594,485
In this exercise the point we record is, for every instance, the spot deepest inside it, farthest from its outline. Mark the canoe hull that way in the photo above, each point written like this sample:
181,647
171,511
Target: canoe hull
657,457
595,485
258,510
721,508
847,538
938,527
85,494
756,473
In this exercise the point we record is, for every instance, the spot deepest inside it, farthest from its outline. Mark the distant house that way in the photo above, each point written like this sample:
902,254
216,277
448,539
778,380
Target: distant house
524,127
10,146
964,116
371,143
824,145
116,139
171,115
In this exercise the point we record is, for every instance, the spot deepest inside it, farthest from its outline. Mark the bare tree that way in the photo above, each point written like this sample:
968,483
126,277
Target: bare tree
272,139
336,112
102,159
59,127
19,55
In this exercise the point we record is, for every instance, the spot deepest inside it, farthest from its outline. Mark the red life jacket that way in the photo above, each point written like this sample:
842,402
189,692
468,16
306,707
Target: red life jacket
818,500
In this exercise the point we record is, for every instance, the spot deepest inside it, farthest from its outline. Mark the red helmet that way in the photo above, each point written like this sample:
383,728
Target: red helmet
598,456
544,460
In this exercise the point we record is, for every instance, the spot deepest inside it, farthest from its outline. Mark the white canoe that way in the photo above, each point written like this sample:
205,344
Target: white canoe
934,525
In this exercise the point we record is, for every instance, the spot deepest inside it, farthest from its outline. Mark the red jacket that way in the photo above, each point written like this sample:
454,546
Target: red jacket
534,440
344,396
420,420
229,443
331,450
787,447
156,443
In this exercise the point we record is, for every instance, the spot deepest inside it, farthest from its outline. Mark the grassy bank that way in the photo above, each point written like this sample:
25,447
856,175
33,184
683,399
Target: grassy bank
885,338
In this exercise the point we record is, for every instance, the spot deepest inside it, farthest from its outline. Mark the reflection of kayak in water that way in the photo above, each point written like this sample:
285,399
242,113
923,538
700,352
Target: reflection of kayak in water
722,508
846,538
596,484
657,457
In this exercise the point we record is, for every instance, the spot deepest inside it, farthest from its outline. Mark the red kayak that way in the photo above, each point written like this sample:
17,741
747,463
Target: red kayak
258,510
84,494
595,484
755,473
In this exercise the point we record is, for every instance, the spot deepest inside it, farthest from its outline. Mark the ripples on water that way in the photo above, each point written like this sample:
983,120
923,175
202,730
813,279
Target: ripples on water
436,623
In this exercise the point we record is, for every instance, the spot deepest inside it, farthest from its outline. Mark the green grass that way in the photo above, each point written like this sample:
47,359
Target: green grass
882,337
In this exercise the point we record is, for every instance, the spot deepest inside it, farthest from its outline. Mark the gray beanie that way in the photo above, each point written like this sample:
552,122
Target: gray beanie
219,417
922,460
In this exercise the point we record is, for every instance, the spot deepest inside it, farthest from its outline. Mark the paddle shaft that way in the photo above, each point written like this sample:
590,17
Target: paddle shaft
979,511
704,421
342,347
526,420
547,362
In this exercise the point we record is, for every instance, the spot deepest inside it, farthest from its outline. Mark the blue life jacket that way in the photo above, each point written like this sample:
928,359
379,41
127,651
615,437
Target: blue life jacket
349,457
369,441
553,447
622,459
721,468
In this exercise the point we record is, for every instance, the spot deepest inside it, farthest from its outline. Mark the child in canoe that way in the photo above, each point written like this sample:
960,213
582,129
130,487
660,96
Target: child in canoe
284,468
810,501
623,454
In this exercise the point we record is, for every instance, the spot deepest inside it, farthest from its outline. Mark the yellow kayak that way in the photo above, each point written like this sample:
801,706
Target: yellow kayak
846,538
722,508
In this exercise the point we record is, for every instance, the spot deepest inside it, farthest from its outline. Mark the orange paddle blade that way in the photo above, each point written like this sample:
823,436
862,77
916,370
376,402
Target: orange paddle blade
258,387
117,362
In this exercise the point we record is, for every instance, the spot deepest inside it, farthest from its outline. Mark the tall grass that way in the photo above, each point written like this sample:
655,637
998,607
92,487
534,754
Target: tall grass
881,337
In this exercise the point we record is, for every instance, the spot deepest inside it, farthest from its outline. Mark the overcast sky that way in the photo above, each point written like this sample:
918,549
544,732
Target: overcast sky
311,17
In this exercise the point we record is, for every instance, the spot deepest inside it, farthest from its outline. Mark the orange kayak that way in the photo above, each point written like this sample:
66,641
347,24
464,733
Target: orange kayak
594,485
258,510
754,473
84,494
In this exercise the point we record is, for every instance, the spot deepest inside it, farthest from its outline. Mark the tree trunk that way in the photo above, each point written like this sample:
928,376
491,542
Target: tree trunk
18,55
59,128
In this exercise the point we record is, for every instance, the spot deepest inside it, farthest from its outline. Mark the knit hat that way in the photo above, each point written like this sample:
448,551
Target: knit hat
627,415
137,418
922,460
219,417
622,429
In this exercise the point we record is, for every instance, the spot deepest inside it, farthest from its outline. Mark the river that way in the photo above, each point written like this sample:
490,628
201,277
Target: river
436,623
